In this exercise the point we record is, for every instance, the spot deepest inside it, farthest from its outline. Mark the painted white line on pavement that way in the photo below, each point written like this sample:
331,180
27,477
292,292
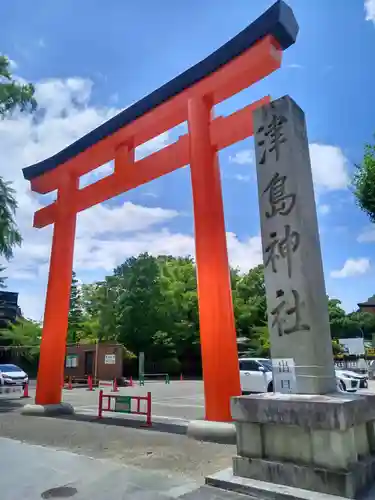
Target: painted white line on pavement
171,405
158,403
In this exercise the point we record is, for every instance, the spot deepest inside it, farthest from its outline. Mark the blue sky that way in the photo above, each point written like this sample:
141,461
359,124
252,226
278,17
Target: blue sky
90,59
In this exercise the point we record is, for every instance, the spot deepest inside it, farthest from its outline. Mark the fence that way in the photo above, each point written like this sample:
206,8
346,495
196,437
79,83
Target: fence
112,384
123,404
162,376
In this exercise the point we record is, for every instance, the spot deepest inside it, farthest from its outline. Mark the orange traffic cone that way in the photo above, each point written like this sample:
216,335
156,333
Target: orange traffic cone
25,391
115,388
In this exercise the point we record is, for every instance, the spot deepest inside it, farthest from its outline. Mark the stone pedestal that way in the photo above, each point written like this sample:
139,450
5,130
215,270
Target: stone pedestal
321,443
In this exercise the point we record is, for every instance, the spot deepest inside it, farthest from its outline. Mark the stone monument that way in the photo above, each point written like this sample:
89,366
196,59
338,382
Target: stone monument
305,435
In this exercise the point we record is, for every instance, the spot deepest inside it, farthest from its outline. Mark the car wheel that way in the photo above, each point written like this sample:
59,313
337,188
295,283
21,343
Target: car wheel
342,385
270,387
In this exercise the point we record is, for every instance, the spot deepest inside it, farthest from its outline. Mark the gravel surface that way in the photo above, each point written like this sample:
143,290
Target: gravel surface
140,448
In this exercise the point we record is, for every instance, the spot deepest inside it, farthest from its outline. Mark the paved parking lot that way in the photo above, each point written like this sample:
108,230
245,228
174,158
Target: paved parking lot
179,399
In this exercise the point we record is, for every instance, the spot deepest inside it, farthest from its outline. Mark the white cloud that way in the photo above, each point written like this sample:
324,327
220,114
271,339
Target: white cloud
242,178
106,234
352,267
324,209
370,10
152,145
244,254
120,219
106,253
294,66
329,167
64,115
150,194
12,64
367,235
244,157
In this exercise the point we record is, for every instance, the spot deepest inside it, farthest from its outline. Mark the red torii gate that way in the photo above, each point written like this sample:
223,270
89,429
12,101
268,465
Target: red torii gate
250,56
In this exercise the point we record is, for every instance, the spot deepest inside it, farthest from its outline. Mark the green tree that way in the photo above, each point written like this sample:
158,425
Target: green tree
140,312
364,182
23,333
361,324
249,301
9,234
180,307
355,324
75,317
259,345
151,304
340,326
336,347
14,95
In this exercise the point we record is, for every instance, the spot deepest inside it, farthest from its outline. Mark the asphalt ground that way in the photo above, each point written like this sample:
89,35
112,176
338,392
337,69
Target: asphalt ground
178,400
139,463
181,463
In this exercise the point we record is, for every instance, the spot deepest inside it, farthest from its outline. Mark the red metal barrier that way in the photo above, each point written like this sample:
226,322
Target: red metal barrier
90,383
122,404
115,388
105,384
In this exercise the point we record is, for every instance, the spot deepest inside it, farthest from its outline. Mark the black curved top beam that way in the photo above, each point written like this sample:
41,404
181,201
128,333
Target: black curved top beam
278,21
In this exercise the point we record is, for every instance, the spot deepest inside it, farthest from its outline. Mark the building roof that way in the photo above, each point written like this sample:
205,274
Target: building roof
278,21
369,303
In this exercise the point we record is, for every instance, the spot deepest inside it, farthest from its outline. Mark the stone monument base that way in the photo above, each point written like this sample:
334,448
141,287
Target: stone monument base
324,444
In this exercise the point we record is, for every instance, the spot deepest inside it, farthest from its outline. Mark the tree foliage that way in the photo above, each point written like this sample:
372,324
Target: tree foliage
9,234
355,324
150,304
364,182
75,317
24,333
13,94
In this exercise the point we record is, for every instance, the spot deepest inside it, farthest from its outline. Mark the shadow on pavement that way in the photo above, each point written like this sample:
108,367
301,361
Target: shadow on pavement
170,427
9,405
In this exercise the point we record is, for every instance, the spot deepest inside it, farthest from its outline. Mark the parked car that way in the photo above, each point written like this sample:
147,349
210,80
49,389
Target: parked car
256,376
351,381
13,375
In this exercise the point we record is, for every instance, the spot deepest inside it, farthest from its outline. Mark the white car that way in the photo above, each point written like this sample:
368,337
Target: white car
349,381
12,375
256,376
